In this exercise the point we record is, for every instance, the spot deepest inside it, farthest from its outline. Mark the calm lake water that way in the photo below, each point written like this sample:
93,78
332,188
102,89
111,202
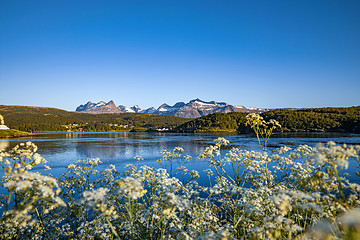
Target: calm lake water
120,148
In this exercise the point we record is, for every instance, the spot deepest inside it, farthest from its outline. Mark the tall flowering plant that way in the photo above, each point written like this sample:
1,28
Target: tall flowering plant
31,196
280,194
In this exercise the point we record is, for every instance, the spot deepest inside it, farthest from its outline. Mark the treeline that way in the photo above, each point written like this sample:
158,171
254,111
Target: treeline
317,119
38,119
216,122
314,119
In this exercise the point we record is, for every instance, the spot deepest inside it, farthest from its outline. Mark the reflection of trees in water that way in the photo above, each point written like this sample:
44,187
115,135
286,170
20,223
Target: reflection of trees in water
53,147
126,148
156,146
190,147
96,135
96,150
309,135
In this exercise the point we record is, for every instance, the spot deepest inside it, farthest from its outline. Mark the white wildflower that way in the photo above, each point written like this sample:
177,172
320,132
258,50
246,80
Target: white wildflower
95,196
131,187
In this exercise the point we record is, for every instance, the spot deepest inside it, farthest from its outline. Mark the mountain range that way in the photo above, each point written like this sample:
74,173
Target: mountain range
193,109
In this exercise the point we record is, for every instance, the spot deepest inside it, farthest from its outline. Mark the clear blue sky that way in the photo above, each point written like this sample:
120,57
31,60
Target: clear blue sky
270,54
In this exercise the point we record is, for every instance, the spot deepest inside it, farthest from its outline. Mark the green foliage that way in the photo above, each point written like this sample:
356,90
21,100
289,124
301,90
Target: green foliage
38,119
317,119
139,129
229,122
312,119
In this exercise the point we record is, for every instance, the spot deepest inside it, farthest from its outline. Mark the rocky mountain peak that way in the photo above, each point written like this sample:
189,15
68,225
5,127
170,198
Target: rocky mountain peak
110,104
163,105
136,108
196,100
98,108
179,105
192,109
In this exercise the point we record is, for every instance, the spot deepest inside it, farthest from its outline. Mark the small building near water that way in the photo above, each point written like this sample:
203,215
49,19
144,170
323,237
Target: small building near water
4,127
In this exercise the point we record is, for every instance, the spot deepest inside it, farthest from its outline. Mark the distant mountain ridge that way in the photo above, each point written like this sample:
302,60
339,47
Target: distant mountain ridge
99,108
193,109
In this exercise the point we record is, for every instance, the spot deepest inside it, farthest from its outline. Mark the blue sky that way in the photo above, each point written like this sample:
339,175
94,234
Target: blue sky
271,54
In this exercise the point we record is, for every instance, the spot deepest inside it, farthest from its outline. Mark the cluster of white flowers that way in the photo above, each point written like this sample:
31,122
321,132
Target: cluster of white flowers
30,193
254,120
131,187
286,194
90,161
221,141
333,154
351,220
209,152
95,196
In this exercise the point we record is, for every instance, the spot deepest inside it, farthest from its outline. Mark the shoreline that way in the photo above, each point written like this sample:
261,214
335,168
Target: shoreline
181,132
12,133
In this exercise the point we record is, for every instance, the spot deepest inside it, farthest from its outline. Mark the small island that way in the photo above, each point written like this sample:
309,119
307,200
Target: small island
6,132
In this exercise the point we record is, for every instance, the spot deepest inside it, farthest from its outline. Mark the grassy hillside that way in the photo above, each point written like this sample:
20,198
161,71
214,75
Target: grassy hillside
10,133
315,119
35,119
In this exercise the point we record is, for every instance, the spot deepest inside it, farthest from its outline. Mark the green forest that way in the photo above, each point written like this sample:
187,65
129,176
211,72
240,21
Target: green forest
41,119
317,119
301,120
216,122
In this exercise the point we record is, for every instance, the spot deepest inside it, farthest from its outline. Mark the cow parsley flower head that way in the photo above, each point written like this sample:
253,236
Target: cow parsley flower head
333,154
351,220
284,149
131,187
222,141
95,196
254,119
